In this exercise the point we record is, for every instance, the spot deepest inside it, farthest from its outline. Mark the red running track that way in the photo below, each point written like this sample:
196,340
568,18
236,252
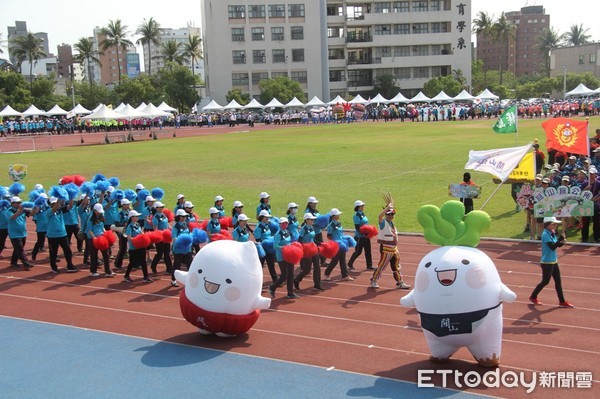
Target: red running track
348,326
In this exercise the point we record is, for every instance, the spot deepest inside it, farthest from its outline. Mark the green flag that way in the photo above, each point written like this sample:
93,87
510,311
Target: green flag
507,122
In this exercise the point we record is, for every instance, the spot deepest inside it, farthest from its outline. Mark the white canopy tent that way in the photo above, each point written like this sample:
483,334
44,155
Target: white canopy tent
154,112
399,98
274,103
98,107
232,105
56,110
104,113
294,102
580,90
119,108
141,106
315,102
33,111
441,96
9,111
130,113
358,100
337,100
212,106
463,96
597,91
166,107
253,104
420,98
80,110
487,95
379,99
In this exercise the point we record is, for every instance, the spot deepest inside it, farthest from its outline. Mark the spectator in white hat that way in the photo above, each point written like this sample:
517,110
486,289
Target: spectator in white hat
160,222
282,239
335,232
264,203
238,209
307,236
219,205
362,242
263,232
17,231
242,231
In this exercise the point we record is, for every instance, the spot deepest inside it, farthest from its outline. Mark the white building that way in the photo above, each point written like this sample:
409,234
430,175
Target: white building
180,36
41,67
334,46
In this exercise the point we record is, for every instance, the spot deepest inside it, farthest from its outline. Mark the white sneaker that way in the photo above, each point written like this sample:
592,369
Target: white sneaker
348,278
402,285
374,284
174,283
94,274
327,278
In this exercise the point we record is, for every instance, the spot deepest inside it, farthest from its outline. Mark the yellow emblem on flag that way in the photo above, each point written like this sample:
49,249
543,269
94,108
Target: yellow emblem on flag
566,134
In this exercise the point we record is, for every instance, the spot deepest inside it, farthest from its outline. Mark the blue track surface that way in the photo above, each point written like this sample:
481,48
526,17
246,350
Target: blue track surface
39,360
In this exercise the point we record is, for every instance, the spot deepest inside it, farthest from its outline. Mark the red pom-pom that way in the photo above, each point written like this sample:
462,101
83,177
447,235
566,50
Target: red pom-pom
203,224
169,214
223,235
66,180
292,253
329,249
310,249
226,222
110,236
78,180
141,241
167,236
155,236
100,243
368,230
194,225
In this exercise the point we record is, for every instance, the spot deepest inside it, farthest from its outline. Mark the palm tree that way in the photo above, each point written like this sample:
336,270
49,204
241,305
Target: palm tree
576,35
171,51
116,35
27,47
191,50
503,30
548,40
87,53
150,31
482,25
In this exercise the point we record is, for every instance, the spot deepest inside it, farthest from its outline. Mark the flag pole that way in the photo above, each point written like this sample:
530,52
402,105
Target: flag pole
516,125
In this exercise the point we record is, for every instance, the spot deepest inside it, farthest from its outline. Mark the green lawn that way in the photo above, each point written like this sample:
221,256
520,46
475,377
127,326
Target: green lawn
336,163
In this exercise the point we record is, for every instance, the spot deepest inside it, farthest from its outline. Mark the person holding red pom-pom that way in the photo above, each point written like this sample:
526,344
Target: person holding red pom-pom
281,239
137,256
307,236
335,232
94,229
160,223
362,242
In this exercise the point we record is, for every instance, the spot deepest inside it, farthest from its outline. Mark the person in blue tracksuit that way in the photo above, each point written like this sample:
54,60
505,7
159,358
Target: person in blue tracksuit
293,224
335,232
362,242
57,235
180,203
241,233
41,227
163,249
219,205
3,229
264,204
120,223
95,228
311,207
17,231
84,210
214,225
180,255
261,233
281,239
69,210
237,209
137,256
148,212
307,236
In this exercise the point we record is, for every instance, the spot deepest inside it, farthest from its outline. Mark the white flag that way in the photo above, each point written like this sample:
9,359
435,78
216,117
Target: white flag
499,162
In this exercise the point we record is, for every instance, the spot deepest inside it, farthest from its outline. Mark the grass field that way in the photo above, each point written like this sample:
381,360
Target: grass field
336,163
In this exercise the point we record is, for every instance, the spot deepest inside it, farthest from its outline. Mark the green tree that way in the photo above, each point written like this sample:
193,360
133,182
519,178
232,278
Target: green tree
87,54
192,50
548,40
91,95
177,82
27,47
574,79
116,36
140,89
503,30
502,91
171,52
237,95
577,35
282,88
14,91
386,86
449,84
43,92
150,31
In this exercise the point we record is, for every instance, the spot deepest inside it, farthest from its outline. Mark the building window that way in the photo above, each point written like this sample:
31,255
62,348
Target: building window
297,32
337,76
383,29
402,51
278,55
420,28
258,57
237,34
382,8
402,73
296,10
277,33
299,76
593,58
258,34
298,55
419,6
258,76
434,5
420,72
401,29
276,10
360,77
335,54
439,27
239,56
239,79
581,59
276,74
420,50
237,12
401,6
256,11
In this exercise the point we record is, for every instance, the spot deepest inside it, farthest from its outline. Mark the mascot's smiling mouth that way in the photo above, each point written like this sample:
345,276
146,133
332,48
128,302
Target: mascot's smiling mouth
446,277
211,287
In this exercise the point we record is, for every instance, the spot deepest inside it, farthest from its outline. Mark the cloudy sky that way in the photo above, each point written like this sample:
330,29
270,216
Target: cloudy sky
66,21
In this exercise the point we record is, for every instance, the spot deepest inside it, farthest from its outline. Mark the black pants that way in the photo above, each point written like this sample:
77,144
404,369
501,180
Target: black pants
287,276
63,242
341,258
94,257
162,251
270,260
550,270
3,235
362,243
305,265
39,244
72,230
137,258
18,251
178,260
585,228
319,240
122,251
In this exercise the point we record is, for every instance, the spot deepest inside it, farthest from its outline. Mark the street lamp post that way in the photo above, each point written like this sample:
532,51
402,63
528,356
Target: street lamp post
564,67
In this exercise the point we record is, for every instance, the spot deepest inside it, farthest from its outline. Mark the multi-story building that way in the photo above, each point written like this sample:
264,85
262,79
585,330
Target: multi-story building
20,29
520,54
107,72
334,46
65,60
181,36
575,59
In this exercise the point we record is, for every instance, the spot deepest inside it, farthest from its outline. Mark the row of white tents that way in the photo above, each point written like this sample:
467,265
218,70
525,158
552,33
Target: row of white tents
582,91
123,111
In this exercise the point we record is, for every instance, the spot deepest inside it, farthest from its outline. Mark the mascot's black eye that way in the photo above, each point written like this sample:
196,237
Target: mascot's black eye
465,262
427,264
199,271
228,281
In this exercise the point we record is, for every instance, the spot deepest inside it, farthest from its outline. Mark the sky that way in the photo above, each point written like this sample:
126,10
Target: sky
66,21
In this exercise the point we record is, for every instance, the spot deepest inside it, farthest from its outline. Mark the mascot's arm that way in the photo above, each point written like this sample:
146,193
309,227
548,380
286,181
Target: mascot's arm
262,303
506,295
408,300
181,276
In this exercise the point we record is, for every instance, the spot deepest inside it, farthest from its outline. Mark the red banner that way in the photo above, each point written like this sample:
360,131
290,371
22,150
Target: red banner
567,135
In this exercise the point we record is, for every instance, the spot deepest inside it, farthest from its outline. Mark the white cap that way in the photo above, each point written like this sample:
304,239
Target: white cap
181,212
133,213
44,195
188,204
53,200
358,203
125,201
149,198
593,170
335,212
139,186
38,187
159,204
180,196
309,215
573,157
242,217
551,219
98,208
238,204
219,198
110,189
283,220
292,205
264,212
15,199
82,196
212,210
264,195
312,200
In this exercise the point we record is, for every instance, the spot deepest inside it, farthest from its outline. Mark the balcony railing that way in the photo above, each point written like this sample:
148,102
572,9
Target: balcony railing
359,38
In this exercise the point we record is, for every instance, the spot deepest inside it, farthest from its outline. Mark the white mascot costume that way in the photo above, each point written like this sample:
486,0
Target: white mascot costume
458,292
222,288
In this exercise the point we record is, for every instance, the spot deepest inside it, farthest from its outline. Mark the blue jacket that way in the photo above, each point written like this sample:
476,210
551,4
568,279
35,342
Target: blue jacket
549,244
280,240
360,219
17,227
56,223
307,234
132,230
241,235
160,221
262,231
41,220
177,230
335,230
96,228
315,214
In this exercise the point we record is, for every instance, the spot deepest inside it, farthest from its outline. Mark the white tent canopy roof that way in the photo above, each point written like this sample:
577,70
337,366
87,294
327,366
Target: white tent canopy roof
9,111
399,98
315,102
97,107
119,108
580,90
420,98
294,102
337,100
166,107
441,96
80,110
212,106
253,104
56,110
274,103
487,95
141,106
358,100
233,105
463,96
379,99
104,113
130,113
597,91
154,112
32,111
